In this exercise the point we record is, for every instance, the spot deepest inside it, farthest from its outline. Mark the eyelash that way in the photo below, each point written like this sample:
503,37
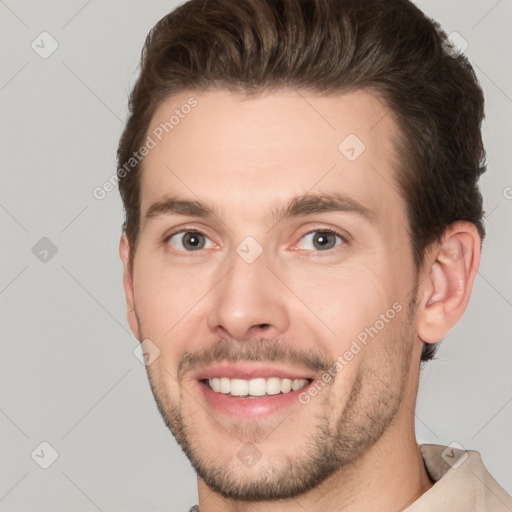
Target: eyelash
344,238
168,237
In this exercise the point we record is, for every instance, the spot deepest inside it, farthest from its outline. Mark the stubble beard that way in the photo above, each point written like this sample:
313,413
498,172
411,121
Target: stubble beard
335,438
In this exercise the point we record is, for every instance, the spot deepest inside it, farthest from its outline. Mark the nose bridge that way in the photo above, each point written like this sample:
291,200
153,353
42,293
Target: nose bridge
246,301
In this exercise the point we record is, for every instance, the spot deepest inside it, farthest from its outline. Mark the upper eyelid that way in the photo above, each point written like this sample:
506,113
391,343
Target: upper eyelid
307,232
185,229
341,233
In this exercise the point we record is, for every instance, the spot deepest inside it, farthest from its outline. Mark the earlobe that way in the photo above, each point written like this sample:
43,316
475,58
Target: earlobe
124,253
446,290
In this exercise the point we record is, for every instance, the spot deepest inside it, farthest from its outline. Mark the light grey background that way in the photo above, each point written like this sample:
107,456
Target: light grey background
67,369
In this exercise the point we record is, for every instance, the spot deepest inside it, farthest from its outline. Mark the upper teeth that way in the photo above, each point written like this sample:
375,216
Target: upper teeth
255,387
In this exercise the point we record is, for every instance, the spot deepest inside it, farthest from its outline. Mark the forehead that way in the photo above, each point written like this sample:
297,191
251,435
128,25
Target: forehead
238,151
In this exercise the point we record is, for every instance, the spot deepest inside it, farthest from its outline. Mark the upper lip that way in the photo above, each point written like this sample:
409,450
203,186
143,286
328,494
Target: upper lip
248,371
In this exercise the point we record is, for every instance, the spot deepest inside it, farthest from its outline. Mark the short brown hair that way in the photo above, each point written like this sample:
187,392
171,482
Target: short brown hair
329,46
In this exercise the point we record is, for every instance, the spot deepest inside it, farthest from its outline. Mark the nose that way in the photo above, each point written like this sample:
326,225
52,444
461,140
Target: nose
248,303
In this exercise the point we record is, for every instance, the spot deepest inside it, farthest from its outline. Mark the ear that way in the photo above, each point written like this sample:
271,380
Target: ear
124,253
446,288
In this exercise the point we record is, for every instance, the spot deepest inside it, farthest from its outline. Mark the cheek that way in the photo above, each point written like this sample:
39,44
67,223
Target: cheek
167,298
347,300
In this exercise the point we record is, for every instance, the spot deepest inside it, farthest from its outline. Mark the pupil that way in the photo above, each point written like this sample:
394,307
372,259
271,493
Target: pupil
193,240
324,240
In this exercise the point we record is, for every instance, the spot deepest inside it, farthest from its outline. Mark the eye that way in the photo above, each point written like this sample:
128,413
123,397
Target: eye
320,240
189,241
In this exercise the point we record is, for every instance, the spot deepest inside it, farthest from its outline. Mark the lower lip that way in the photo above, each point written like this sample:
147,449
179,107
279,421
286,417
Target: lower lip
250,407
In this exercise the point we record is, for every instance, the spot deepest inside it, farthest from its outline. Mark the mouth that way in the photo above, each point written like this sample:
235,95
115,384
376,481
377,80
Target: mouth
250,392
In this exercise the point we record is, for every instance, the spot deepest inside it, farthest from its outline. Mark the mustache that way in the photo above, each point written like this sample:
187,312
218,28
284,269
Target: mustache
258,350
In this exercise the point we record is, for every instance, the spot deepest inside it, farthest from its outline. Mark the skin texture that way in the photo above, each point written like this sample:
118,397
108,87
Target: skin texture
297,306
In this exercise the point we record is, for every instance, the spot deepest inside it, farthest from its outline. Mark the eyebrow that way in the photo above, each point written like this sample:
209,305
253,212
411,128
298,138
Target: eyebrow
302,205
175,206
320,203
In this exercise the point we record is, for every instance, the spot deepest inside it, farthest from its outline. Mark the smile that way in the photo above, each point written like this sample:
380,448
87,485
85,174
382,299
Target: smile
250,390
254,387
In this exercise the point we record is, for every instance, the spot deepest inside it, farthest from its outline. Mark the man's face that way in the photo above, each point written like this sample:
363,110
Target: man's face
273,255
